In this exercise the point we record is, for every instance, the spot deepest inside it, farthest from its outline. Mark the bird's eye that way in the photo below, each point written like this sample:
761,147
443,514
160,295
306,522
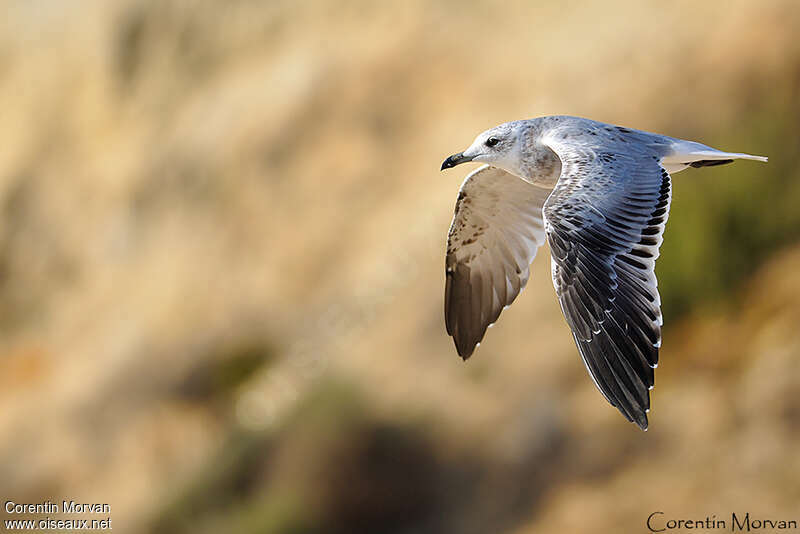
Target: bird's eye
492,141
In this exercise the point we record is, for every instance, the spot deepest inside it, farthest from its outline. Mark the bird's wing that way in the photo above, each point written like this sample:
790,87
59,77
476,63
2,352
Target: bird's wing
496,230
605,221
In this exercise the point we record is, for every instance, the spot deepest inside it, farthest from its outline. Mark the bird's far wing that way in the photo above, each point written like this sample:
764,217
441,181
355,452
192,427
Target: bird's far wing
496,230
605,221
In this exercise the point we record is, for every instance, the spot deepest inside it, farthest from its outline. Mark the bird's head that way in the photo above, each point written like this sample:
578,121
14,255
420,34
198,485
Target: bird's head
498,146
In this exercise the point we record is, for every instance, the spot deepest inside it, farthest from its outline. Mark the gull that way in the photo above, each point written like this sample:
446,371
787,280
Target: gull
600,195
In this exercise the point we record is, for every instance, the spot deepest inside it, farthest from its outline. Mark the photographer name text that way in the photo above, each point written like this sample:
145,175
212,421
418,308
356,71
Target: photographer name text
658,522
50,507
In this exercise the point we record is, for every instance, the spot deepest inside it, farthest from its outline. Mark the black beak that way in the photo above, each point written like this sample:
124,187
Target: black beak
454,160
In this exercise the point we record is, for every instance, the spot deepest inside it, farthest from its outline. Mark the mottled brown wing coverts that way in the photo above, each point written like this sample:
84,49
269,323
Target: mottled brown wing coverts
496,231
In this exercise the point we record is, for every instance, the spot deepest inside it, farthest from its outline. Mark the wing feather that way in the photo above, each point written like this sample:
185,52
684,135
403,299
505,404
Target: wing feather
605,221
497,228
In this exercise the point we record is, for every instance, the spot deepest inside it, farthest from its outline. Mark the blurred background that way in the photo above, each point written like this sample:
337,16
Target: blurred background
221,266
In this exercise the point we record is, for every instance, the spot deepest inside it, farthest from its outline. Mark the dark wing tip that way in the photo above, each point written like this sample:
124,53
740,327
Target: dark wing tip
633,407
463,338
614,375
633,413
464,349
460,318
641,420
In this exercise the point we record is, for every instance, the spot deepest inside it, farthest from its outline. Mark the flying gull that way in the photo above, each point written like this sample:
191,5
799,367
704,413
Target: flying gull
600,194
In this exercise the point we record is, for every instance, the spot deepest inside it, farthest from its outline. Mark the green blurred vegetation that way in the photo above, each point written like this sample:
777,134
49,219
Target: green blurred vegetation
329,467
334,466
217,376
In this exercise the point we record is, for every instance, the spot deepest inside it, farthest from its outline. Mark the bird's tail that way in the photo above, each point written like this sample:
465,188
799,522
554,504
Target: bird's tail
691,154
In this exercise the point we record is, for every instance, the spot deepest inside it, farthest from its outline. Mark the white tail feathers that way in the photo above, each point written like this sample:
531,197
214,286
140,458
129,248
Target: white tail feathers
688,153
712,155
